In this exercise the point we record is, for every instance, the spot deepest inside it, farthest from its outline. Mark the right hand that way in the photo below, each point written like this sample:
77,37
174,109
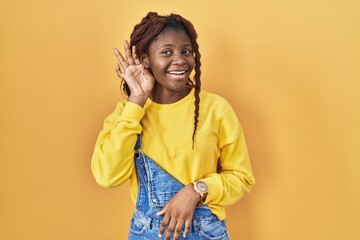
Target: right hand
178,213
139,79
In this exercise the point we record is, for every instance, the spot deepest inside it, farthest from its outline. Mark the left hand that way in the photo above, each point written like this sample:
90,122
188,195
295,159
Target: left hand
179,211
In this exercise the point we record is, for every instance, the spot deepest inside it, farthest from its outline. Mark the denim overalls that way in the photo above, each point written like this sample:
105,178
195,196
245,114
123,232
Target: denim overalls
156,188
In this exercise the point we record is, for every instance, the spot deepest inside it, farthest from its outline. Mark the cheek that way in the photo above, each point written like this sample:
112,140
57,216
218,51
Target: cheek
157,67
192,63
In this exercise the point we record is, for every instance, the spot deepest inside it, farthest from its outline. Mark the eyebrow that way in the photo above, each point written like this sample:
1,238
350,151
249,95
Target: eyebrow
172,45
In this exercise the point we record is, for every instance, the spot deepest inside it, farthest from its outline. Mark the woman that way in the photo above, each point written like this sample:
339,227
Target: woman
183,150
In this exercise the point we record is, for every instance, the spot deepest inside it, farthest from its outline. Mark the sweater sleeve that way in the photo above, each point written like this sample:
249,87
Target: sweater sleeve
112,161
234,176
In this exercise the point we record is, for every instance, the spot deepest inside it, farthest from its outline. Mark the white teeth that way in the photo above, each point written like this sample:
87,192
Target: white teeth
177,72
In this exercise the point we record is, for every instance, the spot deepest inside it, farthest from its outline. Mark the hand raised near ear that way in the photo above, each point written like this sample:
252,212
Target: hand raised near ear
139,79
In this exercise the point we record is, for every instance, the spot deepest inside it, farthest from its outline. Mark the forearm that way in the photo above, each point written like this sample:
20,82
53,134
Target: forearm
139,100
227,188
235,177
112,161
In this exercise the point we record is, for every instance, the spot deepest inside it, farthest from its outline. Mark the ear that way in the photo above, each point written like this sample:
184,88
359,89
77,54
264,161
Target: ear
144,59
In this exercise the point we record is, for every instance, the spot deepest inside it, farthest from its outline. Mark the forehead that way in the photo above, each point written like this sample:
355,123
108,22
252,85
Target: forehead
176,38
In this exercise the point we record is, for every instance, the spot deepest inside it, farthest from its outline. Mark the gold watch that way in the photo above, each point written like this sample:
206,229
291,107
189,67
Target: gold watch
201,188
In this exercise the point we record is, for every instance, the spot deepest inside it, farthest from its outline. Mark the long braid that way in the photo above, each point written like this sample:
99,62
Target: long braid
147,31
197,95
193,36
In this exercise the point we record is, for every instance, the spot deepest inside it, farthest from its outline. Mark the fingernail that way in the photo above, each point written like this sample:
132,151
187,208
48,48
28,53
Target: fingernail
159,235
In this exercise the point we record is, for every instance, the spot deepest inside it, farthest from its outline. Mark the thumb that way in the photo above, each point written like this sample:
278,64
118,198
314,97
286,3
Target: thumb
163,210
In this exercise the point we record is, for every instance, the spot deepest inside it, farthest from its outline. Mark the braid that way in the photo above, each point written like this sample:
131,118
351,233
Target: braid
197,85
147,31
143,35
197,94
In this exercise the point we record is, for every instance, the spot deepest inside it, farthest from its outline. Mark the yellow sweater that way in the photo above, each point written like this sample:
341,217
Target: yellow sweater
166,131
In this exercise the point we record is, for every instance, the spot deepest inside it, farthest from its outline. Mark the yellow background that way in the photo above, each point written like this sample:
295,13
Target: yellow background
291,70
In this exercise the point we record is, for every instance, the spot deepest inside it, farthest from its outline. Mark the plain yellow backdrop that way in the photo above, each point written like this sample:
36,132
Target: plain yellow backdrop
291,70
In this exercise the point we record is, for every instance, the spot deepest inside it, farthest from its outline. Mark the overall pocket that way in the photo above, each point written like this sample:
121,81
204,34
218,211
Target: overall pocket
215,230
138,223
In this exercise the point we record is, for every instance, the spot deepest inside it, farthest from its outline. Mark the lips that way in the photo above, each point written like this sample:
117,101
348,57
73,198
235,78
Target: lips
177,72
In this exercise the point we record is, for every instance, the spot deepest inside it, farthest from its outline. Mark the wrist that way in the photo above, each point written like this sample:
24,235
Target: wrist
195,197
201,188
139,100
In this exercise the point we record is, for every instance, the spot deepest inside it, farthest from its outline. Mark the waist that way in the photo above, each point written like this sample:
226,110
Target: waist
218,210
199,219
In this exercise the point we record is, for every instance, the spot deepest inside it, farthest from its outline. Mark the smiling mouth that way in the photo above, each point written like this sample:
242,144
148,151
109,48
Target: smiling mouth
176,72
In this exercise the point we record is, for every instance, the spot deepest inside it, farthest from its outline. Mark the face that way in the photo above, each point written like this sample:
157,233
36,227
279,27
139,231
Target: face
171,60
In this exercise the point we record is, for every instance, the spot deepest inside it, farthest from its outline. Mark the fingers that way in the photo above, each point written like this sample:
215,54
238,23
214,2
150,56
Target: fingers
164,224
163,210
121,59
118,71
174,227
131,57
177,231
165,220
187,228
137,61
128,53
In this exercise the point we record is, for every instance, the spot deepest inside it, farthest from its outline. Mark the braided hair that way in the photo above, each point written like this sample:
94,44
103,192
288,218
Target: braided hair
149,29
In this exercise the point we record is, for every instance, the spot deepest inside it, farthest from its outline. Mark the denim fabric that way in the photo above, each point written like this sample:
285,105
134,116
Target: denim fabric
156,188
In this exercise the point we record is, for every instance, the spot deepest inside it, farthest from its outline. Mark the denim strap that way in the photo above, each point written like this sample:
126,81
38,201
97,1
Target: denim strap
138,142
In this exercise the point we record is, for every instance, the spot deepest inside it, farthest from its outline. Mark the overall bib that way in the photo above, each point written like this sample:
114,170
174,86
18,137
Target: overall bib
156,188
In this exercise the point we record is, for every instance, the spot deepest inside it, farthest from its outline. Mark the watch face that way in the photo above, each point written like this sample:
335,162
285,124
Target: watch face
202,186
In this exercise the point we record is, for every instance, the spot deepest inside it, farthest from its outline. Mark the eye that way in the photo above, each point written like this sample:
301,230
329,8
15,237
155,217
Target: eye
166,52
187,52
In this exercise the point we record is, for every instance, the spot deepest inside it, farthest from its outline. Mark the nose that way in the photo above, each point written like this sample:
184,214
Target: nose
179,59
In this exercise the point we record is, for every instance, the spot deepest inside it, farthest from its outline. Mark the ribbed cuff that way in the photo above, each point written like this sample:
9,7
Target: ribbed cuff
214,186
132,111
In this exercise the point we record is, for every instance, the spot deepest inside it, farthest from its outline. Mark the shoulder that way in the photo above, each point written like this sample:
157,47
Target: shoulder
212,97
222,117
213,101
217,107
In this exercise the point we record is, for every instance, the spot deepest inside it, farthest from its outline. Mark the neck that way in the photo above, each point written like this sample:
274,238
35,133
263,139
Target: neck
163,96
